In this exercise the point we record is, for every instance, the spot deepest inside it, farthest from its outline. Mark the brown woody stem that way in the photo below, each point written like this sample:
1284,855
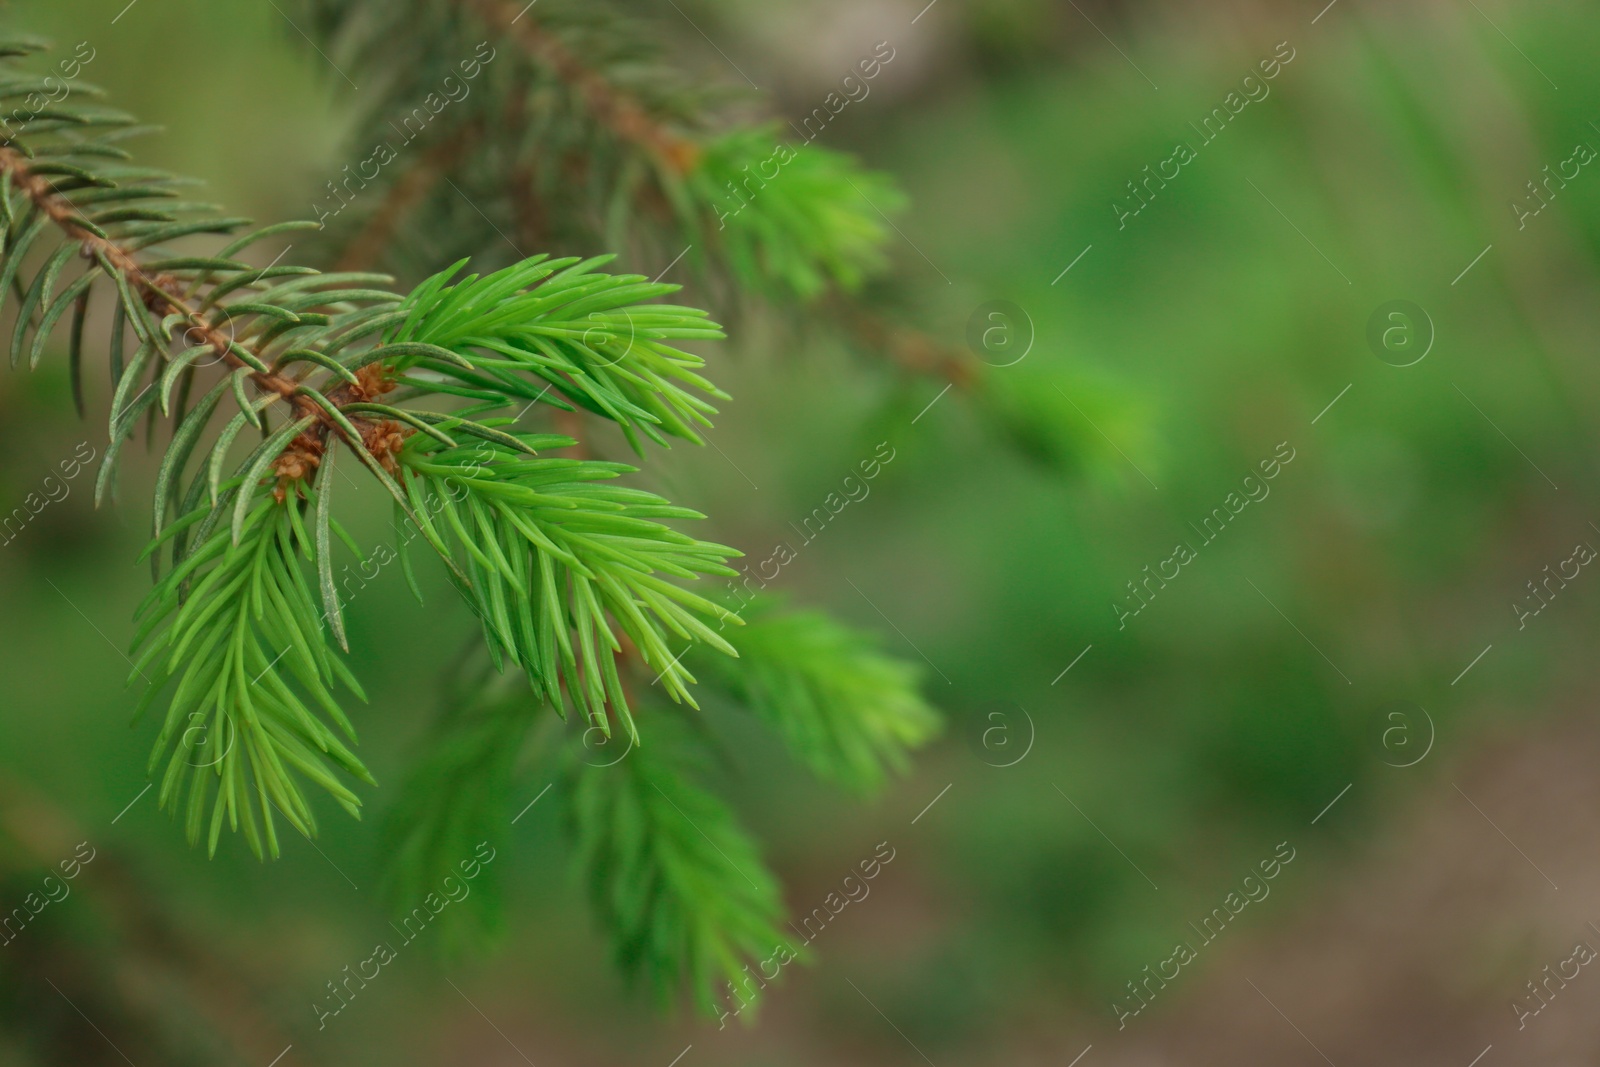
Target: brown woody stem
155,289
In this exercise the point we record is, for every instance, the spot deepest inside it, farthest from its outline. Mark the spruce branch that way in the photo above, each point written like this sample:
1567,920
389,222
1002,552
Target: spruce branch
247,626
551,554
236,631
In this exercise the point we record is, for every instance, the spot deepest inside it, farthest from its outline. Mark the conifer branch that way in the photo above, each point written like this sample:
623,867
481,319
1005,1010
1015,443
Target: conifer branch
235,628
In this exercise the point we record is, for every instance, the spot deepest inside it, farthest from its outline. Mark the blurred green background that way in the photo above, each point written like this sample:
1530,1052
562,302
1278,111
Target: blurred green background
1177,753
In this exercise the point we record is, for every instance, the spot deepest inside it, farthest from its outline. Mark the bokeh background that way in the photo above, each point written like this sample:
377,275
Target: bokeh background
1307,686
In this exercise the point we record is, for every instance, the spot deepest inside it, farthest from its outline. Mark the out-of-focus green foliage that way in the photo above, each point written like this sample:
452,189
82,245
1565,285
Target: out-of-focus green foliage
675,881
847,710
